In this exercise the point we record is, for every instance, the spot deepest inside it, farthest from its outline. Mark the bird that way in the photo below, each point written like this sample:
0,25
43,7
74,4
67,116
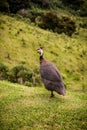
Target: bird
50,75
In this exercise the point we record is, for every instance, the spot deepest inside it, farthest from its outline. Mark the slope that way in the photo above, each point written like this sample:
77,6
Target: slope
20,38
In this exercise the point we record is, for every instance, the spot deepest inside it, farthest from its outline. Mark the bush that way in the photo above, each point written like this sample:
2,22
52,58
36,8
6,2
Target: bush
3,71
60,25
80,6
50,20
15,5
38,80
67,26
23,12
56,4
36,76
36,70
27,83
83,9
4,6
42,3
74,4
20,74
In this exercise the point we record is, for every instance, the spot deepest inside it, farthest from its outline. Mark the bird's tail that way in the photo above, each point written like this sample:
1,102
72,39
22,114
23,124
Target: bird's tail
61,89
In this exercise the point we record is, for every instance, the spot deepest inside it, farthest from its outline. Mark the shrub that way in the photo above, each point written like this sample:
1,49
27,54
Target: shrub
16,5
75,4
36,70
4,6
56,3
50,20
83,9
60,25
80,6
34,14
38,80
27,83
23,12
11,77
20,74
42,3
3,71
68,25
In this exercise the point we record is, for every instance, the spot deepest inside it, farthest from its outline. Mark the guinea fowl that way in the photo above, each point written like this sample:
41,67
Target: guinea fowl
50,76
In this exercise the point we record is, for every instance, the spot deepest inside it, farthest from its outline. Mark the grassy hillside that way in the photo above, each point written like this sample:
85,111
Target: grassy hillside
23,108
19,40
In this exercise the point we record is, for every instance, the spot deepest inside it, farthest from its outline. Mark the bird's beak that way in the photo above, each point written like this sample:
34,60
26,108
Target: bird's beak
38,51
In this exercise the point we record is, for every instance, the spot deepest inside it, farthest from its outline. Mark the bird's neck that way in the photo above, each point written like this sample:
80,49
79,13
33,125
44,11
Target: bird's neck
41,58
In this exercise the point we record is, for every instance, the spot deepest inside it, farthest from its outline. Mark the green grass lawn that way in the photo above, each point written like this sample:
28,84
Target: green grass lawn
31,108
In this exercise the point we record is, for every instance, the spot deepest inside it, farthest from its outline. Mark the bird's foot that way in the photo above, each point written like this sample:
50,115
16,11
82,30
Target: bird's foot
52,95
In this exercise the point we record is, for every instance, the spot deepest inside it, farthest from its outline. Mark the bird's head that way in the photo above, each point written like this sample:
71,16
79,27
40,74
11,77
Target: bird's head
40,51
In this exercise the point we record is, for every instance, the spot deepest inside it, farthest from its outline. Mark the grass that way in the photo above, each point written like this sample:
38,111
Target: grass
20,39
30,108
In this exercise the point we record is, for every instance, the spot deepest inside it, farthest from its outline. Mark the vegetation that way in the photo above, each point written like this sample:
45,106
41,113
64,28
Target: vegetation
79,6
75,4
4,6
58,26
26,108
3,71
20,74
20,38
38,11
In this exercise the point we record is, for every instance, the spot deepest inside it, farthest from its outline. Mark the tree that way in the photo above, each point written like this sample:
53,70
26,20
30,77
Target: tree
51,21
16,5
42,3
4,6
75,4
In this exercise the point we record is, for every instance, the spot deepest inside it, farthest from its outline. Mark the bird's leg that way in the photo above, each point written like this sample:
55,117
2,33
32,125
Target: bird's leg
52,95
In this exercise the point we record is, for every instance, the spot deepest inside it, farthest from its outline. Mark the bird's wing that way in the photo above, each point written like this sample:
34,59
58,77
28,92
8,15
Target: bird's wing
50,72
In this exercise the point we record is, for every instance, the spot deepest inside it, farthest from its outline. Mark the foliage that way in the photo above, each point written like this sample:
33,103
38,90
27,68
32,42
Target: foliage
49,21
21,74
79,5
27,83
54,4
36,70
16,5
63,51
75,4
60,25
3,71
4,6
12,6
67,26
42,3
24,13
83,10
30,14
